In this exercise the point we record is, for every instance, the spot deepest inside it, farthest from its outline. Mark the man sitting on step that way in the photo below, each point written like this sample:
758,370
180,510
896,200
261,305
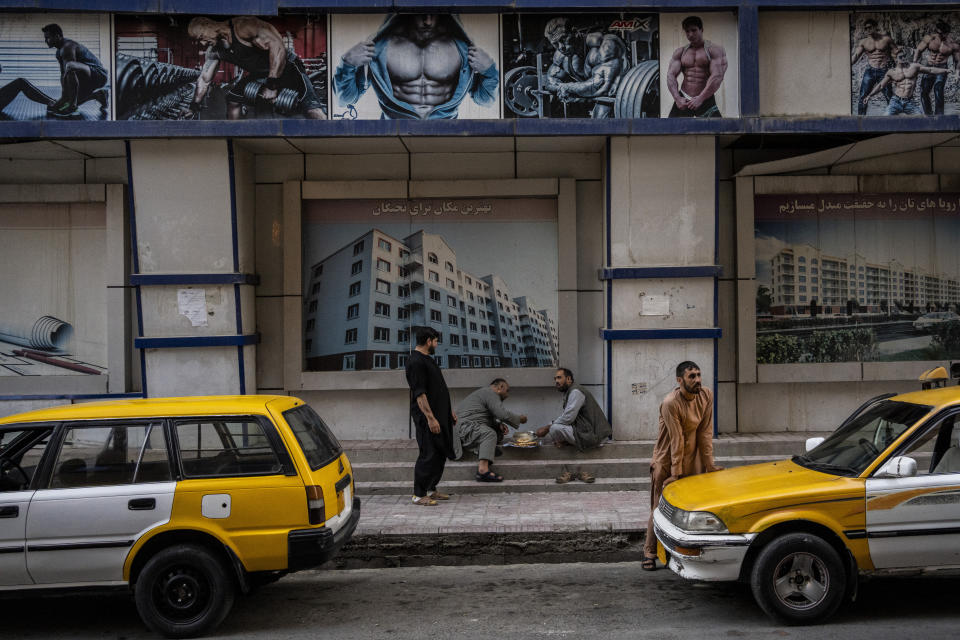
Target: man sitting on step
581,423
481,417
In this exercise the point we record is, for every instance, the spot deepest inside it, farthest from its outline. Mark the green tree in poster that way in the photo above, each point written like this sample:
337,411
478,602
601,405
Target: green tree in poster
764,299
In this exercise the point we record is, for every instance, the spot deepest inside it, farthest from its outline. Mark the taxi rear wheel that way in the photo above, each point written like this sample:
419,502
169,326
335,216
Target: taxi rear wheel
184,591
799,578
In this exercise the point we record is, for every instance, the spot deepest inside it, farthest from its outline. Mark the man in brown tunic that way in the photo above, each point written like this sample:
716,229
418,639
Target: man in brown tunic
684,443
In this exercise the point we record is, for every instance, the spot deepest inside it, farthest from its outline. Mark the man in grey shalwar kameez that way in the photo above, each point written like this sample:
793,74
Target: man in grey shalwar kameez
477,418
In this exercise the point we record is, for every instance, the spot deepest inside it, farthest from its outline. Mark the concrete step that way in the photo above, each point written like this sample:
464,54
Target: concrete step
368,473
530,485
769,444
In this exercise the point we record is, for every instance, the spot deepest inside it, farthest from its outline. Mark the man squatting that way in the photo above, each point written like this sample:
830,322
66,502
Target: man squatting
478,415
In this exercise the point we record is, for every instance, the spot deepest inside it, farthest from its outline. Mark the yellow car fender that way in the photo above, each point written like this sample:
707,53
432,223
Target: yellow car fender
858,547
152,534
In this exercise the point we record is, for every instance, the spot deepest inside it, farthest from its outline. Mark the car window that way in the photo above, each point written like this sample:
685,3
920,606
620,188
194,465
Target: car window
937,449
20,454
225,448
98,455
316,440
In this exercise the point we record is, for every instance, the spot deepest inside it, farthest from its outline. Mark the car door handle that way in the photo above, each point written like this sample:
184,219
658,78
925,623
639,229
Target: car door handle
142,504
10,511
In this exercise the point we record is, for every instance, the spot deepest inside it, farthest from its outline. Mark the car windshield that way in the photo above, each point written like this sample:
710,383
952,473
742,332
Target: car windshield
319,444
851,448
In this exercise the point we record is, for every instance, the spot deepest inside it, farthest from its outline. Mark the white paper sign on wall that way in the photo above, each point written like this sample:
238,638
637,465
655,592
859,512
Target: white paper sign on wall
192,303
655,306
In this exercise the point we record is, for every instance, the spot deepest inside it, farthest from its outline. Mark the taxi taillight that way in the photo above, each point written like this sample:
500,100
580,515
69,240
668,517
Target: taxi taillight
315,506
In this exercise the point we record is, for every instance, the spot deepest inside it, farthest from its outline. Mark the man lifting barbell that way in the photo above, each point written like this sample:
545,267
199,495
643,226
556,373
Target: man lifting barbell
256,47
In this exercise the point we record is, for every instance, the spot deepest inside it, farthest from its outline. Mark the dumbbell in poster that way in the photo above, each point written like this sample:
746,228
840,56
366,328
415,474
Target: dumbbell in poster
581,66
221,67
54,66
415,66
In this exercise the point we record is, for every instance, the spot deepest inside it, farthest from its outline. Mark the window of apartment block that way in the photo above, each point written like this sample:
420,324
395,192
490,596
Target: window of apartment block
475,344
486,361
438,360
451,284
434,276
403,313
403,291
311,323
383,286
432,258
403,336
452,319
465,361
486,345
381,334
496,362
349,362
473,326
448,266
356,267
402,272
350,337
435,316
383,244
472,311
483,328
312,306
468,280
355,289
308,345
454,339
357,248
451,301
381,360
434,295
383,265
315,289
318,271
381,309
353,311
477,362
401,361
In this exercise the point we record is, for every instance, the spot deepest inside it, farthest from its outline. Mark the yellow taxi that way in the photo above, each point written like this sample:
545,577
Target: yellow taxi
185,500
880,494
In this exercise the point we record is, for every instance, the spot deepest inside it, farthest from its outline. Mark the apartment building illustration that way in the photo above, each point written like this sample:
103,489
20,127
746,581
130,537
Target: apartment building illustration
801,275
364,302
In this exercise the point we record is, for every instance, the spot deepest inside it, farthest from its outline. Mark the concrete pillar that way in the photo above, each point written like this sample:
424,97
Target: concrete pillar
193,228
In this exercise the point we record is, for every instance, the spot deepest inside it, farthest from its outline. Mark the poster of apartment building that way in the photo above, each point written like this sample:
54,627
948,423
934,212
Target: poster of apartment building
857,277
904,63
184,67
482,272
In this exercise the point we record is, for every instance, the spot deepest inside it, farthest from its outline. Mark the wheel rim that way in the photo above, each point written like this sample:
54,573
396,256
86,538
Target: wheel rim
181,594
801,581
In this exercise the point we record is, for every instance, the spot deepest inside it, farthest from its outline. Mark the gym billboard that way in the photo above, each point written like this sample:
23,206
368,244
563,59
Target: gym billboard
222,68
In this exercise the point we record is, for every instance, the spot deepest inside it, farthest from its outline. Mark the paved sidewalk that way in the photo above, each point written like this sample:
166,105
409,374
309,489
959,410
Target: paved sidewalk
617,511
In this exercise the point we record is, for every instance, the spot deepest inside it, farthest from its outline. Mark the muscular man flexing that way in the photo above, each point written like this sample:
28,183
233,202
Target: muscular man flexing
880,50
421,67
256,47
605,75
940,48
903,78
568,59
703,65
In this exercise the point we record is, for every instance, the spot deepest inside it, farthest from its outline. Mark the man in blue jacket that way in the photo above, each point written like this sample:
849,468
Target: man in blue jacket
420,66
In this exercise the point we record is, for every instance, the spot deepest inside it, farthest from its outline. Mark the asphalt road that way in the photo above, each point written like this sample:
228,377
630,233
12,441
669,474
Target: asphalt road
515,602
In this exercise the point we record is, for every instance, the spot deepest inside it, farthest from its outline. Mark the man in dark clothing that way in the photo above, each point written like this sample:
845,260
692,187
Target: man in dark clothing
433,416
256,47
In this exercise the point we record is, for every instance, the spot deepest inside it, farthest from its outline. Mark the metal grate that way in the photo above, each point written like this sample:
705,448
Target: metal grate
667,509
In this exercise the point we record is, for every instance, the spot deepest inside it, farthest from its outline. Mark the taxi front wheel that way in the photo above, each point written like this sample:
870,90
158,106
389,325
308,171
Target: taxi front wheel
184,591
798,578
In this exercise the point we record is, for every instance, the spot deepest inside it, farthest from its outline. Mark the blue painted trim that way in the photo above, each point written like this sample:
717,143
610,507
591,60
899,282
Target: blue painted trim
637,273
135,249
203,7
74,396
235,238
154,279
659,334
127,129
716,280
196,341
748,34
609,284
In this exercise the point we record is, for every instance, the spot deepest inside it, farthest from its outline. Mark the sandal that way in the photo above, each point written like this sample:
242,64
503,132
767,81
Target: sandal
488,476
585,476
564,477
648,564
436,495
424,501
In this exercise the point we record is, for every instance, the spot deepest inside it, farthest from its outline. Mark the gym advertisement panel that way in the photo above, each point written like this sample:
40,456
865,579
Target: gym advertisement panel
54,66
481,271
415,66
53,296
699,65
905,64
857,277
581,66
224,68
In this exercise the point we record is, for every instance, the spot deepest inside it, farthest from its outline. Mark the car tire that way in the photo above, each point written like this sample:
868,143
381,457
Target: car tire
184,591
799,579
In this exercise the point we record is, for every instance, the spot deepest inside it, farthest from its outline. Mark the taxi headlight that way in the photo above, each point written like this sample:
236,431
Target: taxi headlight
700,521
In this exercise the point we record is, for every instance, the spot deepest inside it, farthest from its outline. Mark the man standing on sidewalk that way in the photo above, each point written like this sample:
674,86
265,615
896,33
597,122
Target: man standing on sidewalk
684,443
477,427
433,417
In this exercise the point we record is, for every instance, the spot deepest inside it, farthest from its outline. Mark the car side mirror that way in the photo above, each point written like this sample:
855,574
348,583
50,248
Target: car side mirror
899,467
813,443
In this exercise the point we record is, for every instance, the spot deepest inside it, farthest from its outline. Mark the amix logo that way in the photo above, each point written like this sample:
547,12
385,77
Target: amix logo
634,24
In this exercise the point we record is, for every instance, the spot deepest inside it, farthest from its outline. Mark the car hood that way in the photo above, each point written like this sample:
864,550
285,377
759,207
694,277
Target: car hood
742,495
